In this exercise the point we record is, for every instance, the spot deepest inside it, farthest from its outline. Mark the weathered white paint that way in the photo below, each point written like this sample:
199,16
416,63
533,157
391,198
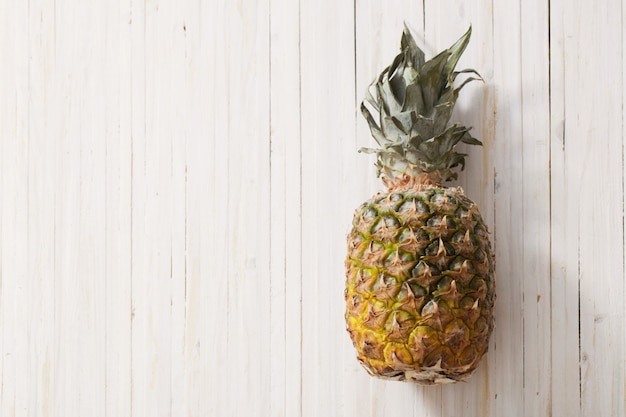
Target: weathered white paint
177,178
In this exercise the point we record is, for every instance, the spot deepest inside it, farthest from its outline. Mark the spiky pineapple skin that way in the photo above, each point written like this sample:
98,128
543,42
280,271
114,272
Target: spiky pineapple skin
420,285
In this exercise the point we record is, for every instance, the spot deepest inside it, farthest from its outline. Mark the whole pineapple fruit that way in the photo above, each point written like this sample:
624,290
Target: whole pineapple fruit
420,270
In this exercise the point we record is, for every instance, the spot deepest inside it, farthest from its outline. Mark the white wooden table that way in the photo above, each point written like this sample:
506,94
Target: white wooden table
177,179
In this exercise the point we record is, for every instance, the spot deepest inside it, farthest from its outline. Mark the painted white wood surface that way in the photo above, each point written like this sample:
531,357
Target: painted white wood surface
177,179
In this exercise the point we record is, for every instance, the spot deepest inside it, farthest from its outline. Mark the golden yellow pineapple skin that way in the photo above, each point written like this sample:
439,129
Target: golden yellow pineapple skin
420,285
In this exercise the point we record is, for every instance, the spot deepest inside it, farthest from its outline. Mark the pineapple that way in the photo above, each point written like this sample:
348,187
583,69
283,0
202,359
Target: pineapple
420,283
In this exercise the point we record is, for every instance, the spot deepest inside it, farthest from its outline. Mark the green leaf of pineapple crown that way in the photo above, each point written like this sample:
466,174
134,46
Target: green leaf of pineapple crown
414,100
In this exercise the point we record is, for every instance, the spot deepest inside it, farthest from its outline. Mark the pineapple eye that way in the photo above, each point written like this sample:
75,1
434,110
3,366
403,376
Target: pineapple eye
480,231
421,234
466,303
479,288
438,198
433,249
386,226
405,207
390,203
436,221
462,213
481,326
386,287
465,201
369,214
444,203
392,222
404,236
380,199
444,284
452,200
414,205
418,290
459,237
422,208
355,302
424,270
457,264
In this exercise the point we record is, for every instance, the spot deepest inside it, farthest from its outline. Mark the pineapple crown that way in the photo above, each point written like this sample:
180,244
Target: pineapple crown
414,100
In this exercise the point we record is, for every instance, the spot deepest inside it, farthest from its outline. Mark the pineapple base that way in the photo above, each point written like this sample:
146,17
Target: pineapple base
434,375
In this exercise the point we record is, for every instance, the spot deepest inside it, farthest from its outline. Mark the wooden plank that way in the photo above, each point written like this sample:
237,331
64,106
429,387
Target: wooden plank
14,125
535,200
507,355
159,212
247,98
285,211
592,156
172,121
78,126
68,307
118,233
39,283
206,315
622,322
328,145
154,279
564,228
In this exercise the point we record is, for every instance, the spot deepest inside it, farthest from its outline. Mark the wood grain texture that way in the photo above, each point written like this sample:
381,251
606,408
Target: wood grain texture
177,179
